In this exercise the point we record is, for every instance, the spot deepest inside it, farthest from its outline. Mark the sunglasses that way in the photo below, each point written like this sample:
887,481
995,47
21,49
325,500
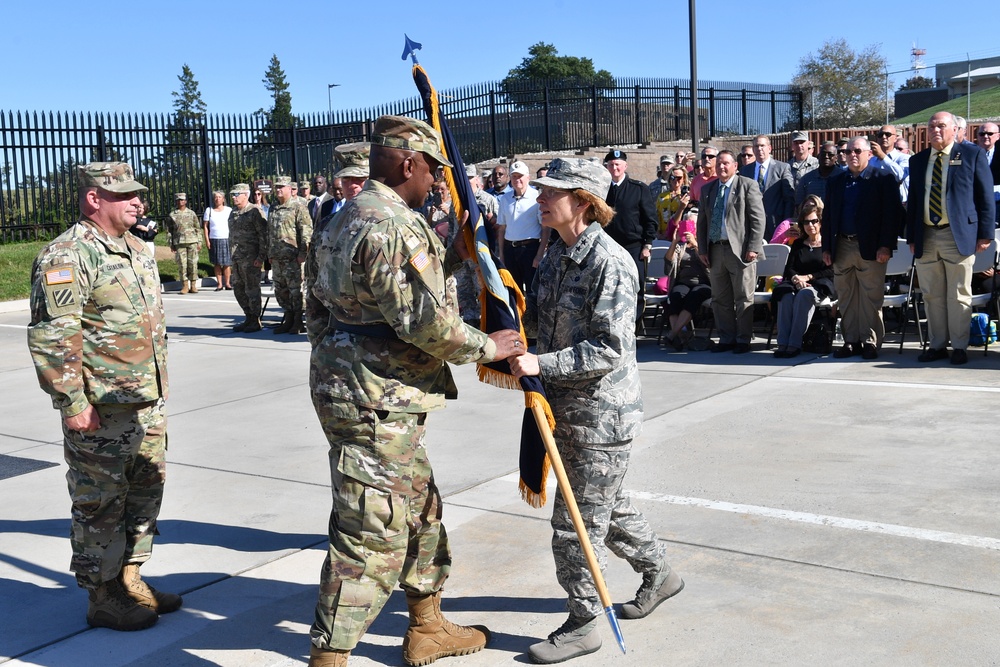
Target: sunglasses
708,157
856,151
885,134
986,134
811,221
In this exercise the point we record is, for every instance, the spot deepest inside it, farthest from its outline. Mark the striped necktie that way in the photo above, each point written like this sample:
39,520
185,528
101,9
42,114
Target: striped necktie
936,209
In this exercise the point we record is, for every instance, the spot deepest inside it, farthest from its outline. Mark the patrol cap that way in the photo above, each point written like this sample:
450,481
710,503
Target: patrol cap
470,171
240,188
615,154
180,195
409,134
353,159
305,185
109,176
799,135
573,173
282,181
666,159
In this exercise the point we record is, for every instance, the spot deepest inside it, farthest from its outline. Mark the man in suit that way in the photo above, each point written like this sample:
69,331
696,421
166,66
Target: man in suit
353,159
986,138
950,218
774,179
730,240
864,213
316,203
634,224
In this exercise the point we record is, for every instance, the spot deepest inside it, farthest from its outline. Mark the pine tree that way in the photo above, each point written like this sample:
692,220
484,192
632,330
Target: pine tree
280,114
180,163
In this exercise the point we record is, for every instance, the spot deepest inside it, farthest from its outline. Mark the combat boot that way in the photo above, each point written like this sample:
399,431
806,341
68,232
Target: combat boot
145,595
298,326
319,657
242,326
110,607
252,324
194,287
184,287
576,637
656,588
286,323
431,636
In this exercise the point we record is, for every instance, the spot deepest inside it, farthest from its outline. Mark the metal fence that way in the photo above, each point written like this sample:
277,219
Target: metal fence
39,152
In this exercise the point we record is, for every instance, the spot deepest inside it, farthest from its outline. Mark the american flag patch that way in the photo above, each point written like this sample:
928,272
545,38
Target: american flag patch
58,276
420,261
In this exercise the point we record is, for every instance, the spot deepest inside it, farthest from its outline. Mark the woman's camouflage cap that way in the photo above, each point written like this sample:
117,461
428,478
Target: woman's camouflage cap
109,176
573,173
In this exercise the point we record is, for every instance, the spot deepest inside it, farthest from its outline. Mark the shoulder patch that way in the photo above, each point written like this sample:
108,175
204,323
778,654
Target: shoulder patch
420,261
59,276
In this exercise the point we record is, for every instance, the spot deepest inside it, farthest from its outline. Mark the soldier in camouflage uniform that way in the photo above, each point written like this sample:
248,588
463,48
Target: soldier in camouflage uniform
97,338
248,238
353,159
185,240
302,194
289,229
379,368
581,309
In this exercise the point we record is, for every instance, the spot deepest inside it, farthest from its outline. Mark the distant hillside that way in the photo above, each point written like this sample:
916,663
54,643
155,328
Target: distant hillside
985,104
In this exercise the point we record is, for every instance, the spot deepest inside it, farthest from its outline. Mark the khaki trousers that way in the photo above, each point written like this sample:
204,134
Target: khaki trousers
733,285
946,282
860,287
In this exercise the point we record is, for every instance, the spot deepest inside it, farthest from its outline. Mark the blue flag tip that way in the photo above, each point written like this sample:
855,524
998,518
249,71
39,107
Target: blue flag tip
410,48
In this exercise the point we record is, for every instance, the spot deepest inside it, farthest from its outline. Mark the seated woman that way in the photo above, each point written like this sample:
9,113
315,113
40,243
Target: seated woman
689,286
806,280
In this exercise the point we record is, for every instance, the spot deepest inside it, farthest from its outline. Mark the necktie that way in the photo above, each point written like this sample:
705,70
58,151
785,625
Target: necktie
718,215
935,209
760,177
612,194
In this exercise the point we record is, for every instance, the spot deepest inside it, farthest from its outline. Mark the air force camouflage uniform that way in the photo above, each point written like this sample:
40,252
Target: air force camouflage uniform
581,309
380,367
248,238
185,239
97,338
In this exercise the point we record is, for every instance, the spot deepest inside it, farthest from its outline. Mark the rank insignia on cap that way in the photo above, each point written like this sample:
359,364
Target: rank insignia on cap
420,261
59,276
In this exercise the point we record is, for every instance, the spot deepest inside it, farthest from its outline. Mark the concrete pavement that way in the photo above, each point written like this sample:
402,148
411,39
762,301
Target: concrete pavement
821,513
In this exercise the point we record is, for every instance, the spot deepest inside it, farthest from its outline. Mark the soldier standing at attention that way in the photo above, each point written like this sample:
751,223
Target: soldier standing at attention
289,228
586,359
185,241
248,238
97,338
381,366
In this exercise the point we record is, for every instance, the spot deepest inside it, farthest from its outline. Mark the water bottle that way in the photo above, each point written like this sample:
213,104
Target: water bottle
838,336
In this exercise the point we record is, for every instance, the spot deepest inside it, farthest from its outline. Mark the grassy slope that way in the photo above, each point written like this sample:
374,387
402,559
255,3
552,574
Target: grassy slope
985,104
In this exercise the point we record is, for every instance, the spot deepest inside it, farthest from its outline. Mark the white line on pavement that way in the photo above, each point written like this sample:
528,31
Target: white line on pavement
894,385
824,520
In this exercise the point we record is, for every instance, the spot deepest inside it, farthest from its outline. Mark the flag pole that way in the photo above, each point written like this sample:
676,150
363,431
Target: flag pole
574,512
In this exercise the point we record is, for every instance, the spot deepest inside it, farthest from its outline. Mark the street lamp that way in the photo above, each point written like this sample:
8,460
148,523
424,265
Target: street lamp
329,101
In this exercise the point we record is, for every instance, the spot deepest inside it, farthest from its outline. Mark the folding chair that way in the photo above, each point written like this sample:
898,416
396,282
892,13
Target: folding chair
986,259
773,264
898,270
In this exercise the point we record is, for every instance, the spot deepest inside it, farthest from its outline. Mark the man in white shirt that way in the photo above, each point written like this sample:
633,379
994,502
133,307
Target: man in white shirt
887,160
521,238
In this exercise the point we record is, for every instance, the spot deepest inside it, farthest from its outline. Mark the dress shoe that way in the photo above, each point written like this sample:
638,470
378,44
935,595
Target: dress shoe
847,350
724,347
741,348
930,354
869,351
959,357
781,353
792,352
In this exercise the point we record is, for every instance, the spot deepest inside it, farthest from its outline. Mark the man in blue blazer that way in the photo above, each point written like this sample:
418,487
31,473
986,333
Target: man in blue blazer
950,217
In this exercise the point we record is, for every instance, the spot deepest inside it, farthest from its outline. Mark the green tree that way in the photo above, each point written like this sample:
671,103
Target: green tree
280,114
842,87
917,82
568,77
180,162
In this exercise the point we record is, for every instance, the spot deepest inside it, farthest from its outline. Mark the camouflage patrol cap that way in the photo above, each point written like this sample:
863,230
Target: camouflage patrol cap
305,185
409,134
353,159
470,171
109,176
282,181
573,173
180,195
240,188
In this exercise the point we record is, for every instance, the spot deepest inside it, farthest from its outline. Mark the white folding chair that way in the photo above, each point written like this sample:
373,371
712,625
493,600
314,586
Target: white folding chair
899,270
773,264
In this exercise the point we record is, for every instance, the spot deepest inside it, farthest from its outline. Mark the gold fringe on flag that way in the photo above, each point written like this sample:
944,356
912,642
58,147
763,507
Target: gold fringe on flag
536,500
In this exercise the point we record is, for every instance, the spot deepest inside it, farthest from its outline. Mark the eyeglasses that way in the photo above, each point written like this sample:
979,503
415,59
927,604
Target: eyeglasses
749,156
856,151
986,134
708,157
885,134
829,153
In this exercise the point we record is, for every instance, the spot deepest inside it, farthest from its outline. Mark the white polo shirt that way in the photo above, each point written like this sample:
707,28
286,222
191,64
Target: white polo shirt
520,216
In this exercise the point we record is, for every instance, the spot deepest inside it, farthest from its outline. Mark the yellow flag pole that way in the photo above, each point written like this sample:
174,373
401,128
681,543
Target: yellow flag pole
574,512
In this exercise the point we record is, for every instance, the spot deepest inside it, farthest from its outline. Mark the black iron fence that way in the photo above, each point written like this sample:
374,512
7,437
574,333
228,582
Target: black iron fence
39,152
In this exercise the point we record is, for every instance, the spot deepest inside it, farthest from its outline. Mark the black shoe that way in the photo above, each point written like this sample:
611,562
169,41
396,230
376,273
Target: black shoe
781,353
741,348
930,354
959,357
869,351
848,350
792,352
724,347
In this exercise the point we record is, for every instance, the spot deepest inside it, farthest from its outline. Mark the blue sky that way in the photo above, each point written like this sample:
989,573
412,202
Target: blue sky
77,57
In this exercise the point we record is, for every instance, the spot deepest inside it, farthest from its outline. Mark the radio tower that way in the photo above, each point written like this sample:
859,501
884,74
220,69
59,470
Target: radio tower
917,59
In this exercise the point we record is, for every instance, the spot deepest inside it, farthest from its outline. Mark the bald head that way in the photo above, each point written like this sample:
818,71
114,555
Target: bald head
986,136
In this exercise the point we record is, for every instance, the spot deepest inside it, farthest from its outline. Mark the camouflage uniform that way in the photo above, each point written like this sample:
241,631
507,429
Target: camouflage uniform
97,337
289,228
185,238
582,305
381,272
248,237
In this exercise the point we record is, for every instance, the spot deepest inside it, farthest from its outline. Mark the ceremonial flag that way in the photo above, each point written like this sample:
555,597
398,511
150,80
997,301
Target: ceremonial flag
502,301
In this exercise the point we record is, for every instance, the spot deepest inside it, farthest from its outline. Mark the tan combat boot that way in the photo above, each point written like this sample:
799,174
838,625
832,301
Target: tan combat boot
431,636
145,595
184,287
194,287
111,608
319,657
